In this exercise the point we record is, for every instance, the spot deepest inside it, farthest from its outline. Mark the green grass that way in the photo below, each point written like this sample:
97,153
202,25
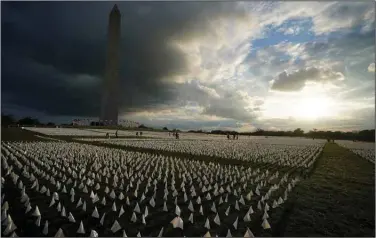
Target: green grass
338,199
17,134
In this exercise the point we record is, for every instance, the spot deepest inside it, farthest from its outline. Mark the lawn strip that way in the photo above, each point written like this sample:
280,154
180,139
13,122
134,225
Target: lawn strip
338,199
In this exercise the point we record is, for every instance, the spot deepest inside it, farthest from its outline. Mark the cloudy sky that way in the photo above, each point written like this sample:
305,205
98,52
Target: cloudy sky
192,65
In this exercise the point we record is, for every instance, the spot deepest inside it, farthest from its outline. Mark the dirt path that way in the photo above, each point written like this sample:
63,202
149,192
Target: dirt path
338,199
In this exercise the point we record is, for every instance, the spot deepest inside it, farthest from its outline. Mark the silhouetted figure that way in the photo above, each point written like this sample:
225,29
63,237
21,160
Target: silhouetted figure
136,133
233,136
237,137
108,135
177,135
116,133
140,133
228,136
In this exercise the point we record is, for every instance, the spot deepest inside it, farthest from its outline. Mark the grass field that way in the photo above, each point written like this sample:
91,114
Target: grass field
17,134
335,198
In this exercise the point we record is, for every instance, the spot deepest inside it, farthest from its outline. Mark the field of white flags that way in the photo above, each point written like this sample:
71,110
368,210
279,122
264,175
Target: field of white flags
365,150
65,131
300,153
71,189
95,132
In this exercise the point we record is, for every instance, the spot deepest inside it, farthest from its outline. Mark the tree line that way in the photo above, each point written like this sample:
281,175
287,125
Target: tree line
363,135
9,120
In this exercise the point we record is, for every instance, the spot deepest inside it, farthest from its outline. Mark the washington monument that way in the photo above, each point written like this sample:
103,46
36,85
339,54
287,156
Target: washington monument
110,94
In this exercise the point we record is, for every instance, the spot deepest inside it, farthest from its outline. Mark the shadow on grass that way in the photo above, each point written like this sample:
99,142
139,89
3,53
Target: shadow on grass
336,200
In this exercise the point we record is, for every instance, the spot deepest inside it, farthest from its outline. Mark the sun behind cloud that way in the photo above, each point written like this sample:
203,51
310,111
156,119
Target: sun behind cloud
312,108
311,104
277,65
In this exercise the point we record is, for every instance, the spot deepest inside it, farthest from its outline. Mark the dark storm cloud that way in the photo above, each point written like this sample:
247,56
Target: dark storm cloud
44,88
296,80
53,53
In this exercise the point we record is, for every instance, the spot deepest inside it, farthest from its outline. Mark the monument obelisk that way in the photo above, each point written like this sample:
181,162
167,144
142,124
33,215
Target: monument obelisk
110,94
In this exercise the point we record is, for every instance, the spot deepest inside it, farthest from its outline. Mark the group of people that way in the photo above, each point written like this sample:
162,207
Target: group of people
234,137
116,135
176,134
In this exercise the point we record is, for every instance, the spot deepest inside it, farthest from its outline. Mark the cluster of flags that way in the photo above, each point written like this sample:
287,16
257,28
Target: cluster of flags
122,122
81,122
128,123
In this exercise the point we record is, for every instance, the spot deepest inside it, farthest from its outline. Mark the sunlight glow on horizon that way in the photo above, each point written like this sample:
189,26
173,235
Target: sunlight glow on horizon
310,104
312,108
